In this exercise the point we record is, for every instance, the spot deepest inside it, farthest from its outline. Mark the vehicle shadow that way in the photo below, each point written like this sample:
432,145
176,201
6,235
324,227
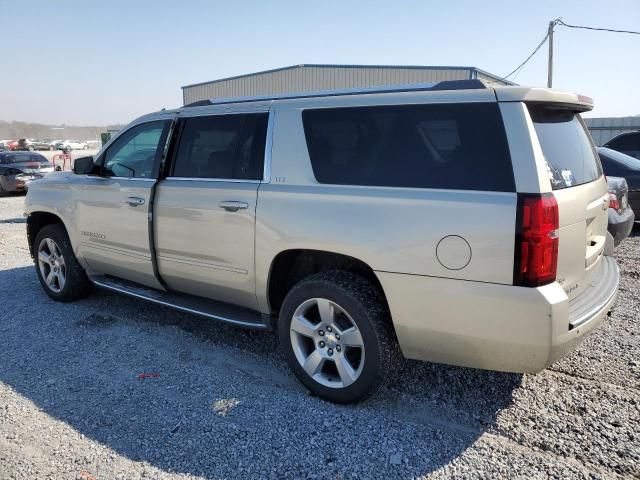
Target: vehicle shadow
219,401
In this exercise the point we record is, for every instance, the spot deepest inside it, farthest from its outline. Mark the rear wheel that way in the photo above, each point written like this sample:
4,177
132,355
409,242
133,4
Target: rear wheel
58,270
336,335
3,192
31,148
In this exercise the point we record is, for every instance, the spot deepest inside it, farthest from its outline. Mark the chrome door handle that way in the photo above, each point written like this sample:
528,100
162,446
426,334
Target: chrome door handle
230,206
135,201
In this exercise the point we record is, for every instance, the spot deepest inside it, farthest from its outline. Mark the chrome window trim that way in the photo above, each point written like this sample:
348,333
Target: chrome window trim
219,180
138,179
266,174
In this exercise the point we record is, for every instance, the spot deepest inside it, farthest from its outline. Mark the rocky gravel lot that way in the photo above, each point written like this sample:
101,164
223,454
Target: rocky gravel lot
220,402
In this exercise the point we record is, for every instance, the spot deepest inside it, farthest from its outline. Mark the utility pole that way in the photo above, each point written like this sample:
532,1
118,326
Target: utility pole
552,24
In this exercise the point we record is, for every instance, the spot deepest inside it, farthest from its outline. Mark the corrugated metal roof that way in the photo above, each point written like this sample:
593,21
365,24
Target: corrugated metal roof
337,66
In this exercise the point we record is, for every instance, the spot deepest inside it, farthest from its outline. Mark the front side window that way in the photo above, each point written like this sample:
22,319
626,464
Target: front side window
134,153
222,147
444,146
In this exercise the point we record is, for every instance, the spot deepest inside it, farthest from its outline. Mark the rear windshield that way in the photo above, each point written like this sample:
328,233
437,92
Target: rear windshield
22,158
626,161
444,146
568,151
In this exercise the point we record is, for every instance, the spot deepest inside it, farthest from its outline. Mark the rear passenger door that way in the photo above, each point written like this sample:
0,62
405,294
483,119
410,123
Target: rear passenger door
205,207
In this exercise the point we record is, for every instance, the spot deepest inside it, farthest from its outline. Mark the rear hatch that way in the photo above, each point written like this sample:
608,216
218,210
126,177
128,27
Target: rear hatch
580,190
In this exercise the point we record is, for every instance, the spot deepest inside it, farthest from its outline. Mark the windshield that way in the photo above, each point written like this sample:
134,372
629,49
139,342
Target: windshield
22,158
569,153
618,157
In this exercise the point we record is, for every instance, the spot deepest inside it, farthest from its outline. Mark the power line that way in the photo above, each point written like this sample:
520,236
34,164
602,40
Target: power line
560,22
542,42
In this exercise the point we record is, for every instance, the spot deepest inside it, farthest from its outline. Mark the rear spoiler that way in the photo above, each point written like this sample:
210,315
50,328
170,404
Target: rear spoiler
569,100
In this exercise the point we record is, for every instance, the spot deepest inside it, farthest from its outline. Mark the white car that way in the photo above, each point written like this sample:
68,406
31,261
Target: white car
68,145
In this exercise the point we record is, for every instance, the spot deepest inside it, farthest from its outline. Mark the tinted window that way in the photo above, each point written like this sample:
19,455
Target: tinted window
569,154
625,142
21,158
461,146
223,147
614,161
133,154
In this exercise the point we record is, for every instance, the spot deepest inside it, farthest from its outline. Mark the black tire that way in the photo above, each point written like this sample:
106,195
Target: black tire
77,285
31,148
364,303
3,192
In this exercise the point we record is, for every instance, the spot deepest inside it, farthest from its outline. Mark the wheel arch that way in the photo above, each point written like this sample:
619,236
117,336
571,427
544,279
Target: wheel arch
290,266
36,221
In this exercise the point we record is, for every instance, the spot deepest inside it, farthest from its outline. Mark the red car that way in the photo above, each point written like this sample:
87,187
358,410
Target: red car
13,145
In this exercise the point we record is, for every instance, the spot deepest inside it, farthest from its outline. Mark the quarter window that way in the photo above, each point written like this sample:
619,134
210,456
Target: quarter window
222,147
134,153
447,146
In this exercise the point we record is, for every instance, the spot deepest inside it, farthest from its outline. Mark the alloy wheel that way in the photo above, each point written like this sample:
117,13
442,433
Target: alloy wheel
327,343
52,265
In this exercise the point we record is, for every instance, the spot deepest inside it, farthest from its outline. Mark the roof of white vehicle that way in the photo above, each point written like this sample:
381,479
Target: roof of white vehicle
454,90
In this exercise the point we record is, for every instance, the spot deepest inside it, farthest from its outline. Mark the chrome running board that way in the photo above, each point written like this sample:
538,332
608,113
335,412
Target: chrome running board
204,307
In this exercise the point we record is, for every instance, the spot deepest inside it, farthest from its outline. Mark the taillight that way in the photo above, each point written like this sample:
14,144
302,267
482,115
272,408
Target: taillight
536,252
613,201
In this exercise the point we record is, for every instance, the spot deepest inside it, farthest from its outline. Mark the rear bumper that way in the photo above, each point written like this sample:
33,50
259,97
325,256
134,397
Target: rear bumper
620,224
495,327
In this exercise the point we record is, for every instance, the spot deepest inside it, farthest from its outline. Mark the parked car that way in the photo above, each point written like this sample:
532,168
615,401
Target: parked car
627,143
32,144
621,215
460,224
68,145
19,169
4,144
618,164
13,144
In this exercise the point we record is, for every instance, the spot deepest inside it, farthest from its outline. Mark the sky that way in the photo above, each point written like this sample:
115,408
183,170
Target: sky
98,63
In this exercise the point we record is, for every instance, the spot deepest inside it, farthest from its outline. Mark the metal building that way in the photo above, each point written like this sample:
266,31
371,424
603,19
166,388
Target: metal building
604,129
311,78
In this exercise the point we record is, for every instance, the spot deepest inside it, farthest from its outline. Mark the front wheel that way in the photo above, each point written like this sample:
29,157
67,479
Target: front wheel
31,148
337,337
58,270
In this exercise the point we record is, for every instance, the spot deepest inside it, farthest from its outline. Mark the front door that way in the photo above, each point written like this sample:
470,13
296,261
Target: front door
113,209
205,210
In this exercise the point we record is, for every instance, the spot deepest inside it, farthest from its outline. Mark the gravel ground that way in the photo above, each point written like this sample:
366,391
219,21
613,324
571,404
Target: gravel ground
224,405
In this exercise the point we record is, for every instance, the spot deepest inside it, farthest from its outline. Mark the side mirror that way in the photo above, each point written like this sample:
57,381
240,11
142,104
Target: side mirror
83,165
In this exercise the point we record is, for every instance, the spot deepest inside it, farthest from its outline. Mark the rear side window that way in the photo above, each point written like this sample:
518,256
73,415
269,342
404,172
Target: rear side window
568,151
222,147
445,146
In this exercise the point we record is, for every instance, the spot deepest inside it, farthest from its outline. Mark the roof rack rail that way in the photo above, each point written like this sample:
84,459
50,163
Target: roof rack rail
412,87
